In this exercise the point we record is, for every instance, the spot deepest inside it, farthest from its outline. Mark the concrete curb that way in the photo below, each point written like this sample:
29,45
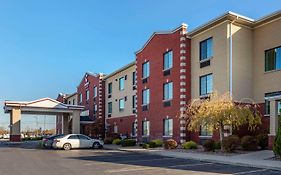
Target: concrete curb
156,152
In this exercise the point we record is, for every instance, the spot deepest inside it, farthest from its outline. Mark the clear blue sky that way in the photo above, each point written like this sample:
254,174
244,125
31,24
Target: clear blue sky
47,46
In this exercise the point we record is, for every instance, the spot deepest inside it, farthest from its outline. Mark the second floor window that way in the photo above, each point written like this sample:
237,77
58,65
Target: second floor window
145,97
87,94
168,91
110,107
206,84
95,91
273,59
121,104
145,70
168,60
121,83
95,109
206,49
109,86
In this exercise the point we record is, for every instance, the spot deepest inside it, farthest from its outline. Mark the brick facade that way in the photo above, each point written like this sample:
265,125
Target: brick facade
153,52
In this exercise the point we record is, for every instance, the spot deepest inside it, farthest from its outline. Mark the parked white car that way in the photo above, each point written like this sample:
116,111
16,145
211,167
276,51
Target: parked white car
71,141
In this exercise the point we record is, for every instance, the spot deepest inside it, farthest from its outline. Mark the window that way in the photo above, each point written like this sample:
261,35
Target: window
205,130
109,90
134,78
206,84
87,94
83,137
80,98
145,97
168,91
134,100
168,127
168,60
145,128
134,127
206,49
273,59
95,91
95,109
145,70
73,101
73,137
121,83
109,107
121,104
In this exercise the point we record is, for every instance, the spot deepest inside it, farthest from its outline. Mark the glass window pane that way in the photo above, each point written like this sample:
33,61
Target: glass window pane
209,84
209,48
269,60
278,58
203,89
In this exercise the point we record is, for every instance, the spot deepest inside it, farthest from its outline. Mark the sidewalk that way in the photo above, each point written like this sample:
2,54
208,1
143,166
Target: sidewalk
258,159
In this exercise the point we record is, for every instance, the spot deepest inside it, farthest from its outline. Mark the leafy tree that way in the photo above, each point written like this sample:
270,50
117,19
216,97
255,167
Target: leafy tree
219,111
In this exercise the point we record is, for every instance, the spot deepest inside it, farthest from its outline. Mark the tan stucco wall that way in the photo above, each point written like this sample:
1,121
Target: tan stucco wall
219,62
242,53
117,94
265,37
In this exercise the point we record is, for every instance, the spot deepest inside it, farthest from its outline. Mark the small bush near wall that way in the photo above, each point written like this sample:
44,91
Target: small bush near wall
209,145
128,142
155,143
190,145
145,146
218,145
230,143
262,140
116,142
170,144
249,143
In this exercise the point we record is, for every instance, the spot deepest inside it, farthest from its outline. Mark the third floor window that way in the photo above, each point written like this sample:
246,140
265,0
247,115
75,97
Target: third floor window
121,83
145,70
168,91
206,84
206,49
273,59
109,86
168,60
95,91
145,97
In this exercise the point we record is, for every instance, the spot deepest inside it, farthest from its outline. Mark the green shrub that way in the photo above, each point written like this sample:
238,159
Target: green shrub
262,140
190,145
155,143
230,143
277,142
170,144
218,145
108,140
249,143
145,146
128,142
209,145
116,142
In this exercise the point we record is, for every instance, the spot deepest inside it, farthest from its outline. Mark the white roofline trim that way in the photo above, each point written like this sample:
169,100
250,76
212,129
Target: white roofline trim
120,70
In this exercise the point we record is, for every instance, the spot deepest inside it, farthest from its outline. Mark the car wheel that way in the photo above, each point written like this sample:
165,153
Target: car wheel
96,145
67,146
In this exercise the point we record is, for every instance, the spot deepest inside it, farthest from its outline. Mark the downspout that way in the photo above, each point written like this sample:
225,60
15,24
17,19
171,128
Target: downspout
231,59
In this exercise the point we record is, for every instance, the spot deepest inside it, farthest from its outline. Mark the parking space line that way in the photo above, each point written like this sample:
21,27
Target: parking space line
247,172
189,165
130,169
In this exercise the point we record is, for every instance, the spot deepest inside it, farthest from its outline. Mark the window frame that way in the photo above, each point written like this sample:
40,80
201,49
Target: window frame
109,88
146,131
109,106
170,96
145,72
168,132
121,109
95,91
169,59
121,83
276,61
87,95
200,51
147,98
134,78
200,85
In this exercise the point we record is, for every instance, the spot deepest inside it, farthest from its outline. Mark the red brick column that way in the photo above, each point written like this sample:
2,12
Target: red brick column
15,138
271,139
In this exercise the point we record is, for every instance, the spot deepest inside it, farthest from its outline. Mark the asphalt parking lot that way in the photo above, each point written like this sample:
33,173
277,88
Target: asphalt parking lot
25,159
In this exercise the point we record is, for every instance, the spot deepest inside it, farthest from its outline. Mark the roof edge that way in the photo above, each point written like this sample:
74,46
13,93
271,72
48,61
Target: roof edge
120,70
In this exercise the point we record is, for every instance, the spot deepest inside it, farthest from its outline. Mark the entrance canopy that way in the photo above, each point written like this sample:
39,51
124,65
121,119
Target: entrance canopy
45,106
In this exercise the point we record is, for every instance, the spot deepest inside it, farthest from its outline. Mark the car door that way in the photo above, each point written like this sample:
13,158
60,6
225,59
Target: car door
85,141
74,141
